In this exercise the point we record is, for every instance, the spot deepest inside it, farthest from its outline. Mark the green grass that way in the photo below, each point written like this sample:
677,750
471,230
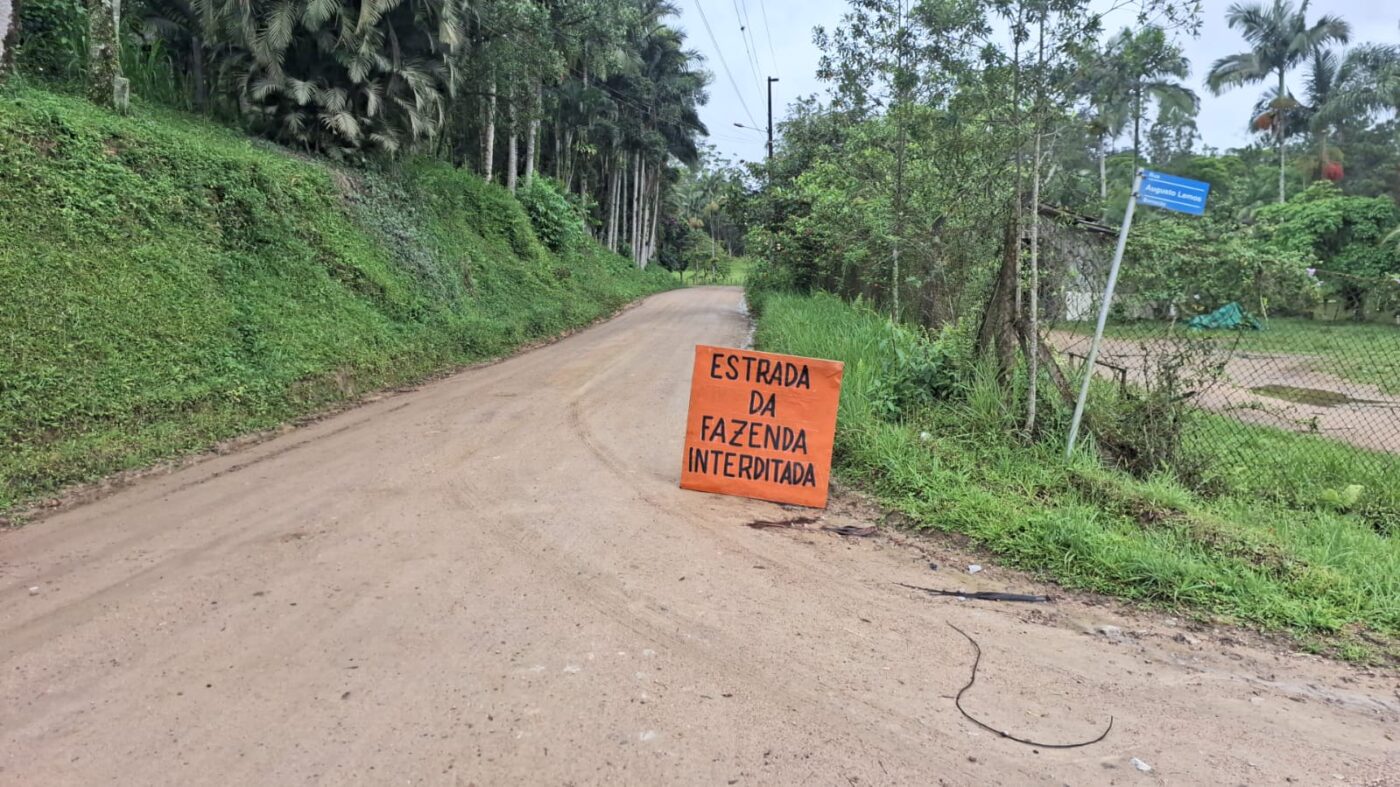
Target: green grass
1367,353
1241,556
169,283
736,274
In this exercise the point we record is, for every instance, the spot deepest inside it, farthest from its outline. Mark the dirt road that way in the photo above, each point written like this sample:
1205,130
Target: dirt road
494,580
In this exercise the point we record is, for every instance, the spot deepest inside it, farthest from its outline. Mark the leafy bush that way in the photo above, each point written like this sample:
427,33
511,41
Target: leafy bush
1345,235
557,221
1197,265
915,373
53,38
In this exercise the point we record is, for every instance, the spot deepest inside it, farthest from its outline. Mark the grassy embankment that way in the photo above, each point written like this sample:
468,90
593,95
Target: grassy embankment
1253,554
1367,353
168,283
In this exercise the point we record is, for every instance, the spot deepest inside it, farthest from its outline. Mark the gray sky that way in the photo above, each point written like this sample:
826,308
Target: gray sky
793,59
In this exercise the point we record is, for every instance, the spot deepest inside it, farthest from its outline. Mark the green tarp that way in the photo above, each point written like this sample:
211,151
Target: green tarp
1227,317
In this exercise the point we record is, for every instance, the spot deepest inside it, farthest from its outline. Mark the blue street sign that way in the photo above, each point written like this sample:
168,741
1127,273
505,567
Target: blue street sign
1168,191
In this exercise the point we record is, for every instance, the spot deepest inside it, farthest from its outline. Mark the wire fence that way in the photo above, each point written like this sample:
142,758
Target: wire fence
1318,375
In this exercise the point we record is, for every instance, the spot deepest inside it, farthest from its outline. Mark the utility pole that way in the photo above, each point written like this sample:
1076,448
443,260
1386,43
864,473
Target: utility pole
771,80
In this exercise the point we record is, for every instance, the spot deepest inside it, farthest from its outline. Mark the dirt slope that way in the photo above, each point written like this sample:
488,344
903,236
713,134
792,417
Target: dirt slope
494,580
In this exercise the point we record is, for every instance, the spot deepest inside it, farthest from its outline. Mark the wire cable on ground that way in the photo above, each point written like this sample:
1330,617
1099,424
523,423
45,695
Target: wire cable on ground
957,701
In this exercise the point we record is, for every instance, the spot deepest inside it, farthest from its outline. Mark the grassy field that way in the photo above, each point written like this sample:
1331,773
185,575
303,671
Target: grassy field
169,283
737,274
1246,555
1366,353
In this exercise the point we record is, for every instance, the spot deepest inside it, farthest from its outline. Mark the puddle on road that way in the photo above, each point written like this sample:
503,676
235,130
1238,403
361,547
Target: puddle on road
1313,396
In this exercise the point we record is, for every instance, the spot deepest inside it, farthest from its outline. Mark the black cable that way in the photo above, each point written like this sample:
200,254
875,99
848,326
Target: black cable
720,53
957,701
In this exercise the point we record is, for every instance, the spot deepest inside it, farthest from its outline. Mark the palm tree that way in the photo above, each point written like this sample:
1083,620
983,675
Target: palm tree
1281,39
1107,91
1367,81
1152,65
343,78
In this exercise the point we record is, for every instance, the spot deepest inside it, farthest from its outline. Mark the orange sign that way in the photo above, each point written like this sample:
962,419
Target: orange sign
761,425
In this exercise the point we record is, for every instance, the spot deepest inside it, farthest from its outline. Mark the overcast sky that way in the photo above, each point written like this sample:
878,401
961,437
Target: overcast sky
779,39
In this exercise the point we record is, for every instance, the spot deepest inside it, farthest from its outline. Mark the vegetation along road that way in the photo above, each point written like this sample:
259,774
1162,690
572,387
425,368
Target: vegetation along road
494,579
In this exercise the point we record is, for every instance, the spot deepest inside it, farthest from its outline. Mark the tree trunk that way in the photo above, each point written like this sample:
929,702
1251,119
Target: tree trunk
1033,312
512,146
568,177
997,332
9,34
642,247
638,173
1282,119
488,138
106,85
201,88
612,207
653,244
532,135
1137,124
558,156
901,145
1103,174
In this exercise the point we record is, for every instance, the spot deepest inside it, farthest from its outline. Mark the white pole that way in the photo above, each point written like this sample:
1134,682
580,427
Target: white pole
1103,314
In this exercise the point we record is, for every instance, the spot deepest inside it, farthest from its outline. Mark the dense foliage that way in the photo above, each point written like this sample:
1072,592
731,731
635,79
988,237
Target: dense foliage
601,94
942,173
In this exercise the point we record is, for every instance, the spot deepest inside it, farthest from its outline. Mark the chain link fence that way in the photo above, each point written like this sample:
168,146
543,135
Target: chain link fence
1265,383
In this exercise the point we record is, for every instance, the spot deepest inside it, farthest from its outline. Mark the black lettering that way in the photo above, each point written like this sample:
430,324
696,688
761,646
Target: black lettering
729,464
763,405
800,444
739,428
705,427
714,366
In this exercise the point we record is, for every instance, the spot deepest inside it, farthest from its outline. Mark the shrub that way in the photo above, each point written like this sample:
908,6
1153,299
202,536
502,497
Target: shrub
556,220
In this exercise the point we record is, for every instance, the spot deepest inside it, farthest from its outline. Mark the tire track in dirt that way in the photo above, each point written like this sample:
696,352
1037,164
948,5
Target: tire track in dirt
495,579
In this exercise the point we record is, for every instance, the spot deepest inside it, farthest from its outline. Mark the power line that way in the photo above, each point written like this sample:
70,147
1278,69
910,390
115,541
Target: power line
720,54
768,33
743,29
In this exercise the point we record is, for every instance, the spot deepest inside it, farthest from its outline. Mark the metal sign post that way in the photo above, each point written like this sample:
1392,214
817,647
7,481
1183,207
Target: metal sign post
1103,314
1159,191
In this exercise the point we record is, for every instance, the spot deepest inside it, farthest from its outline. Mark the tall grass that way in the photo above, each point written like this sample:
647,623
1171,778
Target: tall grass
955,466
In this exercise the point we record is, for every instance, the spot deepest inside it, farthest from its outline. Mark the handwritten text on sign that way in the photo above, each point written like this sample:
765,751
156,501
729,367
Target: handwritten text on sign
761,425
